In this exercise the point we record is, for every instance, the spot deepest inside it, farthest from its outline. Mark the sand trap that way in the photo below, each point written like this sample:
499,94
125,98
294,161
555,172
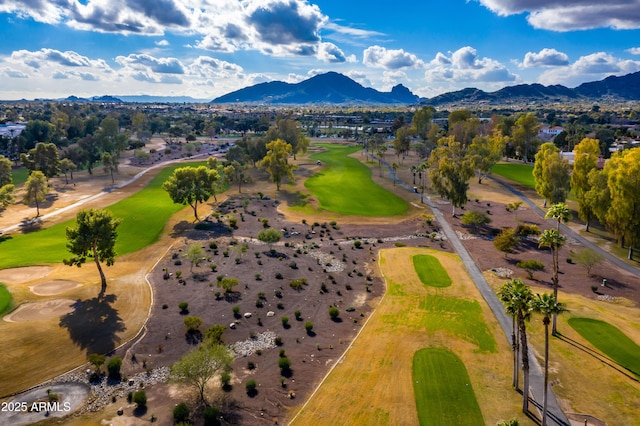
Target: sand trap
51,288
21,275
41,310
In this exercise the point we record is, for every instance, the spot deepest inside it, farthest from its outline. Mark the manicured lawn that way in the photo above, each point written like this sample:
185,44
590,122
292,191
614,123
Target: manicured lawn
443,391
20,175
517,172
5,299
430,271
344,186
610,341
144,216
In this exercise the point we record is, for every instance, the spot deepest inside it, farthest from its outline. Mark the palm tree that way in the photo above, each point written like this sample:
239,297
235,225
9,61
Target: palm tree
560,212
519,298
547,305
505,297
554,240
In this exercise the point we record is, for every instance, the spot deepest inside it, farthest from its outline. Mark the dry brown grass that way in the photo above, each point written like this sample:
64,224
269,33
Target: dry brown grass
582,382
372,384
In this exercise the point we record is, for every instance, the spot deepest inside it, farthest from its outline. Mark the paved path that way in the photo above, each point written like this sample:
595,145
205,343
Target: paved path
536,376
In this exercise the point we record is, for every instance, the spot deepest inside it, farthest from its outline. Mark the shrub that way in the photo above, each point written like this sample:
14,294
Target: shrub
140,399
334,313
250,386
184,307
588,259
285,321
192,324
225,379
285,365
308,326
530,266
236,311
505,241
357,244
113,367
228,284
525,229
181,413
399,244
210,415
214,333
475,219
298,314
233,222
278,276
297,284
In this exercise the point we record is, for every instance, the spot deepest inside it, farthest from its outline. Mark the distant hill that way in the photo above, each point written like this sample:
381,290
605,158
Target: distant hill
623,88
328,88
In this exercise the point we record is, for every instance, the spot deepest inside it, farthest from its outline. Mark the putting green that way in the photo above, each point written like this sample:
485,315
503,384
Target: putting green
610,340
430,271
144,215
520,173
443,392
344,186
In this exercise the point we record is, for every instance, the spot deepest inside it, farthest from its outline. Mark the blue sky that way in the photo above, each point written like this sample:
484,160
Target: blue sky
207,48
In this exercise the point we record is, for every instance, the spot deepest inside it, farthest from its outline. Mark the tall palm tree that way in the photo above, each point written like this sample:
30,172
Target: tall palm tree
547,305
505,297
520,300
555,241
560,212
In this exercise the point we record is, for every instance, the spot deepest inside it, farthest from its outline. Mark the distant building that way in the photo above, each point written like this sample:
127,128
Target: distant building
553,131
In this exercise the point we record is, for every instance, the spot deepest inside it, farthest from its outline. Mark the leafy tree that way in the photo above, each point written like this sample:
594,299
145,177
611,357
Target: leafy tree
525,135
548,306
421,121
109,138
194,254
237,172
514,207
199,366
219,177
90,152
269,236
450,171
67,166
402,142
36,189
213,334
506,241
6,195
276,162
113,367
586,160
190,185
6,176
587,258
518,298
110,164
290,132
485,152
97,361
44,157
555,241
597,199
140,399
623,180
94,235
192,324
552,174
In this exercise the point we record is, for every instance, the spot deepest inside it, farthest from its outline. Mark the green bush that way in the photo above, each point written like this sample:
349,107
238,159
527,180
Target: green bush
475,219
308,326
181,413
251,386
531,266
192,324
285,321
210,415
114,366
285,365
184,306
140,399
334,312
525,229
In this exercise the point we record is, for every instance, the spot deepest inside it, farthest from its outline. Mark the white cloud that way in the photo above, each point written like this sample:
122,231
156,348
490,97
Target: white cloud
390,59
393,78
464,65
593,67
557,15
545,58
11,73
148,62
162,43
634,50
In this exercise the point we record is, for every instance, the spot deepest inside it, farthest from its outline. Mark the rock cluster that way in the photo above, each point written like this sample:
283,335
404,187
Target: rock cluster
262,341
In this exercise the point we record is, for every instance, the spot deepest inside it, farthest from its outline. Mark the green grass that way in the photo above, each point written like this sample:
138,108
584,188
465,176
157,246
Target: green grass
6,301
430,271
344,186
144,216
20,176
442,389
520,173
610,341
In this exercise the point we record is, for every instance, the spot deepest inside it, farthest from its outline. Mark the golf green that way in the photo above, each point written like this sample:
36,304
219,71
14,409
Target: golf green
442,389
344,186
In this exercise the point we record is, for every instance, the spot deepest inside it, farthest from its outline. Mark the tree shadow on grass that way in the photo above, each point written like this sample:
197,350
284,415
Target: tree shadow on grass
94,324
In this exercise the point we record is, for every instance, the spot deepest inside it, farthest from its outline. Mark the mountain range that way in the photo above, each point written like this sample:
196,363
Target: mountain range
334,88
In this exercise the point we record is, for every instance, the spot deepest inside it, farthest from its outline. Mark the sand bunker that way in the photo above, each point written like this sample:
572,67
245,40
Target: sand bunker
51,288
41,310
21,275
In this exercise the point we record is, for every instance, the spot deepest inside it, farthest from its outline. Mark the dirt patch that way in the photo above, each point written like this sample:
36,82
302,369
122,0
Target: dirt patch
41,310
51,288
22,275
